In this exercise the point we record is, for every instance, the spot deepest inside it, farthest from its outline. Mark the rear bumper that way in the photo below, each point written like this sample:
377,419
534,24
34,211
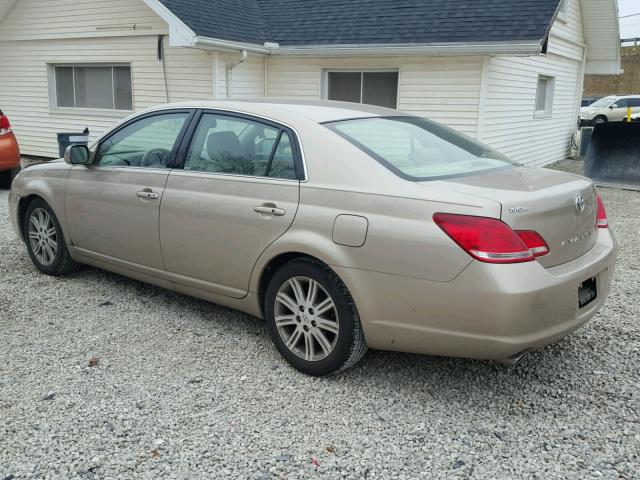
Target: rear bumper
9,152
487,312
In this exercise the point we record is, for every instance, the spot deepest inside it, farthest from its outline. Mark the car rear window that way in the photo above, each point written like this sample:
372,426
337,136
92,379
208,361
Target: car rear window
418,149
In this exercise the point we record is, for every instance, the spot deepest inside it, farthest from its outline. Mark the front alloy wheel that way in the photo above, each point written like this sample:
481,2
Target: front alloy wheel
312,318
43,236
45,241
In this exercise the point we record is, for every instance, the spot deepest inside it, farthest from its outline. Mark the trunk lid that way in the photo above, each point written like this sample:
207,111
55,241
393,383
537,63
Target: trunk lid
543,200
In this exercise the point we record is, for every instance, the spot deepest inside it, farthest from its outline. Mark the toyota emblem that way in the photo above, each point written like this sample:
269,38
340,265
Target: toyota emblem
580,203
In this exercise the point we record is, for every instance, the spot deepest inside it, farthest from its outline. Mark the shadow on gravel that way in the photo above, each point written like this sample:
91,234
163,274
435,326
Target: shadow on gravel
402,371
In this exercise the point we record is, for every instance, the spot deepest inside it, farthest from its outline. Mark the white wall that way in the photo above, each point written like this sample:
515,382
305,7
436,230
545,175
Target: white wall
27,51
446,89
508,120
493,98
24,91
247,78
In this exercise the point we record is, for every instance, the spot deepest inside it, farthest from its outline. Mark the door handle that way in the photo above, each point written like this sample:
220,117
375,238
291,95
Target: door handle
147,194
269,209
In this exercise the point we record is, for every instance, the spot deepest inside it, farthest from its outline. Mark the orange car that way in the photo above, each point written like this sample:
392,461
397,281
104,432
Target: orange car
9,152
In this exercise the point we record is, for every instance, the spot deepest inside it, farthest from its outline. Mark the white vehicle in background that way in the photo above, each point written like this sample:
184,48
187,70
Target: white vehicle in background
610,109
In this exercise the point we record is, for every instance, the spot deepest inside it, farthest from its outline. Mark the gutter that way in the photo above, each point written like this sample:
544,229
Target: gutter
495,48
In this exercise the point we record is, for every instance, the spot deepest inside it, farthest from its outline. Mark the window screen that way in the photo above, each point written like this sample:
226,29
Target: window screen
93,86
372,88
380,88
345,86
544,97
64,87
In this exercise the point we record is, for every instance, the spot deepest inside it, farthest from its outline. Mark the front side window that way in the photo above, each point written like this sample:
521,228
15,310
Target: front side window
371,88
93,86
622,103
147,142
418,149
239,146
544,97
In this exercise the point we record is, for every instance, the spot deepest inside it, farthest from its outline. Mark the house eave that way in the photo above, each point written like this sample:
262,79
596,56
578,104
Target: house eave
496,48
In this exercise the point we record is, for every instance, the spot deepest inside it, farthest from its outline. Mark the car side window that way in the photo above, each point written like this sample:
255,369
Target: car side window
634,102
147,142
282,163
622,103
239,146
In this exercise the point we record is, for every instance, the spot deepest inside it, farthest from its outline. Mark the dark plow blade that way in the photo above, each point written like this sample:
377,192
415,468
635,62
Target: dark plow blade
613,157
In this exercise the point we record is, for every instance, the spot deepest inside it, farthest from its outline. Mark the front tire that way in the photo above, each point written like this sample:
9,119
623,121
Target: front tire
312,318
45,241
599,119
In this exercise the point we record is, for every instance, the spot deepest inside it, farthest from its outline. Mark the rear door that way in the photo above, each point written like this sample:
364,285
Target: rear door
112,206
618,110
634,103
237,192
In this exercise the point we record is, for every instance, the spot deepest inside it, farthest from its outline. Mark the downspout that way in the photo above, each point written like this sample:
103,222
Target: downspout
231,66
580,86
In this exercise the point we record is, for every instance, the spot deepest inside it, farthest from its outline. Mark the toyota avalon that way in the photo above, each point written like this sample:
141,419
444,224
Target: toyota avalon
343,226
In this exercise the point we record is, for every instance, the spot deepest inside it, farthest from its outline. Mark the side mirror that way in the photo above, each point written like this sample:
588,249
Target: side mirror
77,155
615,105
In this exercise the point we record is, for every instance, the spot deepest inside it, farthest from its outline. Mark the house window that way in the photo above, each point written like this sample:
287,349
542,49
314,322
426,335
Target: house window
93,86
373,88
544,98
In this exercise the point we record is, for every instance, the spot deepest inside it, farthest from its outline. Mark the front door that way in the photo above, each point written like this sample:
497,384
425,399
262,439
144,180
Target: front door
237,193
112,206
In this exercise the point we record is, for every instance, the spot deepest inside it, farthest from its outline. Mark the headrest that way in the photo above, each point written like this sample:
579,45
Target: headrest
223,142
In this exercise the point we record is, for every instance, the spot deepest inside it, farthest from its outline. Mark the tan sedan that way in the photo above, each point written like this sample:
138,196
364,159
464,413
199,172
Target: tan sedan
343,226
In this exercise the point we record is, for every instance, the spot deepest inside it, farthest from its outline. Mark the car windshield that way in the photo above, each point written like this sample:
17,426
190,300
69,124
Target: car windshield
418,149
603,102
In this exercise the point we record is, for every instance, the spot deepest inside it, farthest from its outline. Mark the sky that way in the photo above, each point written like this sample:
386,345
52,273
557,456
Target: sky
629,27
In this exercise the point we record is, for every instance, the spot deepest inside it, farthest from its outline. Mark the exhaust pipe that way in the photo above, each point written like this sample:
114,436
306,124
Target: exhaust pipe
514,360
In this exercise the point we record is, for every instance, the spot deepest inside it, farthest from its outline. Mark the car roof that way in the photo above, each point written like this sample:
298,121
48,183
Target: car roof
624,96
319,111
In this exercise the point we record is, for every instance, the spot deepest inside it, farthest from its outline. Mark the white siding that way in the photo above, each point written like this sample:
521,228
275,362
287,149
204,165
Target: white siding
48,19
508,121
24,95
445,89
247,78
493,98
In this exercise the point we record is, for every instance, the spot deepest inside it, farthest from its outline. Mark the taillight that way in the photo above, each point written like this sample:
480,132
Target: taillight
603,221
485,239
534,242
5,126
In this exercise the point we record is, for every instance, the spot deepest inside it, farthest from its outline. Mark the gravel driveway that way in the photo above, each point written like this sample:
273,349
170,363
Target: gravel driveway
105,377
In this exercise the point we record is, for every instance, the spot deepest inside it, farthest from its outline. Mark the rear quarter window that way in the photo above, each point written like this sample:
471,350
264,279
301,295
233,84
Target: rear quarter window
418,149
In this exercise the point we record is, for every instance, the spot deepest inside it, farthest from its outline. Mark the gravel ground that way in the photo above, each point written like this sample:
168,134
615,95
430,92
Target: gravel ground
104,377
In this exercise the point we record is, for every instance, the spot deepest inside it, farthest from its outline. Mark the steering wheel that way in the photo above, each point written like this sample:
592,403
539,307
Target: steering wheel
156,157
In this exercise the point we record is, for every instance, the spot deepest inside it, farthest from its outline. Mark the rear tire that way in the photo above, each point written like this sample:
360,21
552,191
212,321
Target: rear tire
45,241
318,328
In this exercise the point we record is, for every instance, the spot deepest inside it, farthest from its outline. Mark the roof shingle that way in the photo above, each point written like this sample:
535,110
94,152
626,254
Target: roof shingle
344,22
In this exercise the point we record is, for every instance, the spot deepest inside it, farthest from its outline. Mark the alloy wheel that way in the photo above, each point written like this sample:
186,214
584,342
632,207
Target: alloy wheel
43,237
306,318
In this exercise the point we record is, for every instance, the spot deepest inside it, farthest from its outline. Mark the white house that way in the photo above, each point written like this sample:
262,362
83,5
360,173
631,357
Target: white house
508,72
